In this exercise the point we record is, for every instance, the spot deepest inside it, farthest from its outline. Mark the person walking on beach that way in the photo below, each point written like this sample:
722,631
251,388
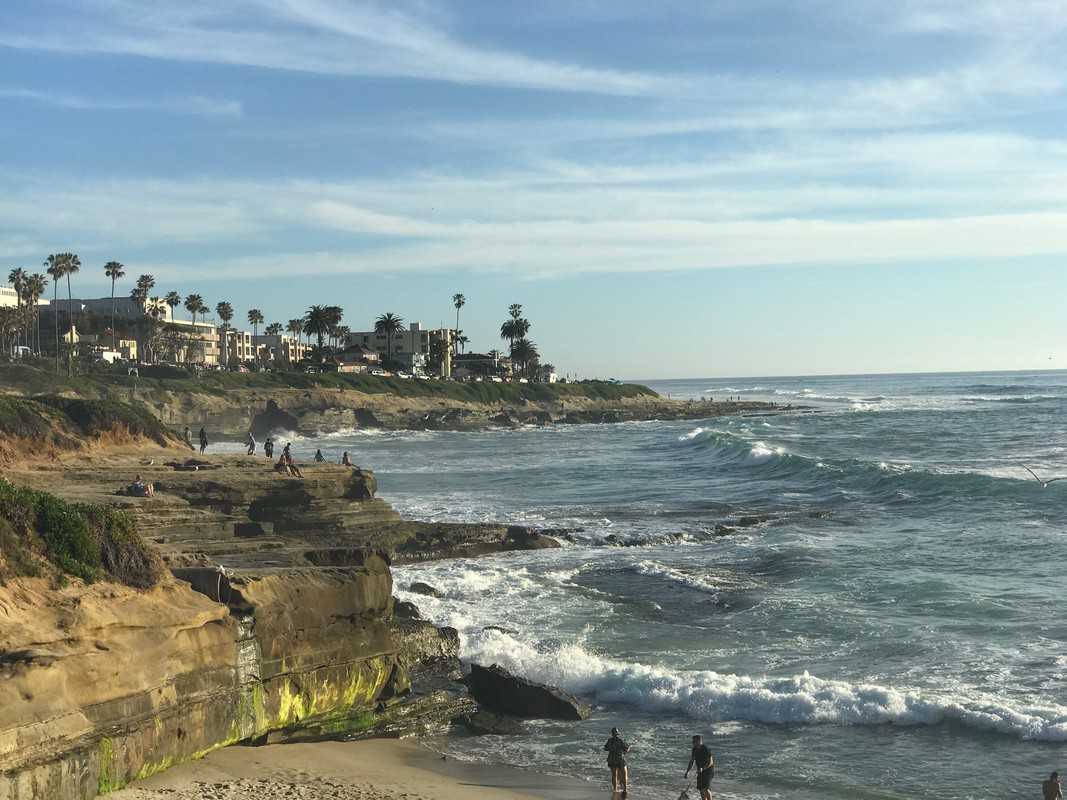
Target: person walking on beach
268,447
251,444
705,764
203,441
1051,788
620,774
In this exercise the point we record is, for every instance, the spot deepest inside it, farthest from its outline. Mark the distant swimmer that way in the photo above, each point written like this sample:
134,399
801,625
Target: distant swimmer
705,764
1044,483
1051,788
617,750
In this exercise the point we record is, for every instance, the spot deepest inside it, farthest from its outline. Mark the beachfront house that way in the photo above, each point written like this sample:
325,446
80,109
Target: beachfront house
412,348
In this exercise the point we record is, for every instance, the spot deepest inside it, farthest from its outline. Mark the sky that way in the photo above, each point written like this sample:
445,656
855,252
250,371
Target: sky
670,189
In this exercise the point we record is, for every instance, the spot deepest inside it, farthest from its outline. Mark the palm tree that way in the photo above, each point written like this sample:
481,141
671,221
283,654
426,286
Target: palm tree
225,312
56,265
341,332
194,304
17,279
515,310
458,301
462,341
36,285
73,265
508,331
113,270
390,325
255,319
334,315
295,327
274,329
317,324
172,299
524,351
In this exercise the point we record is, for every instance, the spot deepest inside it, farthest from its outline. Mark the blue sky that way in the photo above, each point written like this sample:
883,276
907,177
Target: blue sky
744,187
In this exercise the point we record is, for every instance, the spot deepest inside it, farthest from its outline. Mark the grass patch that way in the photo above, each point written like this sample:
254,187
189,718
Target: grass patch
93,542
28,380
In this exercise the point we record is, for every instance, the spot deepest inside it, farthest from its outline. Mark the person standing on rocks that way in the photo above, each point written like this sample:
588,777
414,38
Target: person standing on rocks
251,444
268,447
203,441
705,764
620,773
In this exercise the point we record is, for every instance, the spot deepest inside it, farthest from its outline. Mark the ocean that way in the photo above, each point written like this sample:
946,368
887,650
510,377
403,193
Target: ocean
888,621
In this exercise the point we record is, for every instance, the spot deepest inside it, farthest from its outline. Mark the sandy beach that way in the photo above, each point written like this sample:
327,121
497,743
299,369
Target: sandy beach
378,769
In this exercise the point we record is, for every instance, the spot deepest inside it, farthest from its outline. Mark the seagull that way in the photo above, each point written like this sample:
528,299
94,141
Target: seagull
1044,484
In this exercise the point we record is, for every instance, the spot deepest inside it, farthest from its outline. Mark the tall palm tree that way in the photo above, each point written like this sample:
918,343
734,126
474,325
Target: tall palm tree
172,299
515,310
73,265
274,329
341,332
255,319
194,304
390,325
113,270
317,324
142,288
333,316
462,341
56,265
36,285
458,301
295,327
225,312
17,279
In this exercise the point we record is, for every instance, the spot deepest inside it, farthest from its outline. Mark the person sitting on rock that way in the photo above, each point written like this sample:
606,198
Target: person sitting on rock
139,488
319,457
346,461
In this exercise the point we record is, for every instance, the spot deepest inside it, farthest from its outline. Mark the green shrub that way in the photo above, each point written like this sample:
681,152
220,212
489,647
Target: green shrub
94,417
91,542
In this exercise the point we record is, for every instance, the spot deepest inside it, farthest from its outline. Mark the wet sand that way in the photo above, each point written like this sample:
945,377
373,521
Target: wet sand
379,769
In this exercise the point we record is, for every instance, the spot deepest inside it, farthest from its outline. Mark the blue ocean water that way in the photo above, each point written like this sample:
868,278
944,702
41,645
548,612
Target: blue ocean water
892,627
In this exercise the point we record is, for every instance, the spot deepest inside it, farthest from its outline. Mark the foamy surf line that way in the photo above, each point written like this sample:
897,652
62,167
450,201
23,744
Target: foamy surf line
801,699
712,696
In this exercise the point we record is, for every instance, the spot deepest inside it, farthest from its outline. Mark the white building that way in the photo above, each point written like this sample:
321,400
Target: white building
408,345
9,297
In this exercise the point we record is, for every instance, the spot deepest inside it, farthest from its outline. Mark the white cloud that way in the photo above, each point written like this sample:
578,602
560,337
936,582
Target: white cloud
194,105
320,36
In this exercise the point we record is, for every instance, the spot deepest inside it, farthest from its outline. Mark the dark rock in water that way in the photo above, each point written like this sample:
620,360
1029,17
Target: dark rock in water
520,537
365,418
505,419
419,642
424,589
724,530
405,610
272,419
751,520
484,723
508,631
498,690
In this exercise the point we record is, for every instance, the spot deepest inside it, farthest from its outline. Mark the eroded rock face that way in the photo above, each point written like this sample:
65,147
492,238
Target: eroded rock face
123,684
499,690
273,420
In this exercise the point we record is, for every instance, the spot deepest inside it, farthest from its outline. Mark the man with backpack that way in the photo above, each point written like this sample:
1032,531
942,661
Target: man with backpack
705,764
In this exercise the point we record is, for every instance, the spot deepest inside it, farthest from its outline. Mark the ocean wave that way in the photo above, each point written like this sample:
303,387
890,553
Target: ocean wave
799,699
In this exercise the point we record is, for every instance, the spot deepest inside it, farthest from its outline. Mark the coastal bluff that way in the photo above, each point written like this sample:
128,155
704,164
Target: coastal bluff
274,620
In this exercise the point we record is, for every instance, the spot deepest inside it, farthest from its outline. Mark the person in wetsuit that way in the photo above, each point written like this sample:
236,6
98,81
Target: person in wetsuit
620,774
705,764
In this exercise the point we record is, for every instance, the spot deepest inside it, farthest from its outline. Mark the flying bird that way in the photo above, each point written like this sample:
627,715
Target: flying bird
1044,484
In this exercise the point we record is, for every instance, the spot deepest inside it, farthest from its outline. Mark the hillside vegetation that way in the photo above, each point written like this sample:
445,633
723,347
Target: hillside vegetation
27,380
41,534
66,423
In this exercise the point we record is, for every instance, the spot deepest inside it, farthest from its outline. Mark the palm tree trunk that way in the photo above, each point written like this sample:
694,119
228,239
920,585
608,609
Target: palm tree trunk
55,307
70,313
112,313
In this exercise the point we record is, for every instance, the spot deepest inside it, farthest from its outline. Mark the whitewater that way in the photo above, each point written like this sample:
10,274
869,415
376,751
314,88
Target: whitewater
866,601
